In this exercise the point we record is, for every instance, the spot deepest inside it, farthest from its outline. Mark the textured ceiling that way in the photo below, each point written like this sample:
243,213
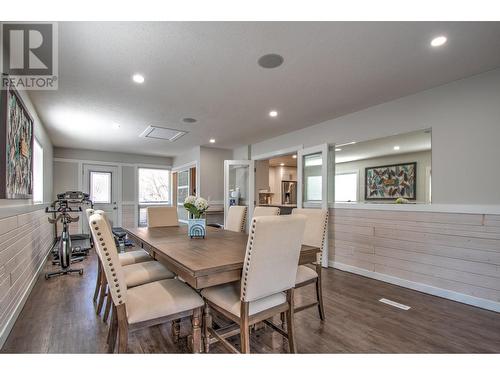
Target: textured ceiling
209,71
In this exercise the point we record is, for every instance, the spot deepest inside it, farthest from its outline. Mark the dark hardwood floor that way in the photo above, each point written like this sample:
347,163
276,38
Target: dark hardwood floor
59,317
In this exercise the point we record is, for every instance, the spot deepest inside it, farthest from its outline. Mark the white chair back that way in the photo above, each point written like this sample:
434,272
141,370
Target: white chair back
105,246
235,220
316,226
165,216
272,256
266,211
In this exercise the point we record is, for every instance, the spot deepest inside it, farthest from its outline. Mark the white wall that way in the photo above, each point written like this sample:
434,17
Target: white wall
423,160
212,173
191,155
465,120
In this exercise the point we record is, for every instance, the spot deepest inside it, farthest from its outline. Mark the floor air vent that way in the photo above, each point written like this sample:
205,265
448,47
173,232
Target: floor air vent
395,304
167,134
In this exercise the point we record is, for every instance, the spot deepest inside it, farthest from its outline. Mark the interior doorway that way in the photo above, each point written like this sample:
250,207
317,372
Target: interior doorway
276,182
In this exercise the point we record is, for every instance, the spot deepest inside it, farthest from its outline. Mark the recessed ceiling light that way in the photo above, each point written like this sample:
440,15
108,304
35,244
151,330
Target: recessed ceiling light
270,61
116,126
338,149
138,78
294,156
396,148
212,140
346,144
438,41
189,120
282,164
273,113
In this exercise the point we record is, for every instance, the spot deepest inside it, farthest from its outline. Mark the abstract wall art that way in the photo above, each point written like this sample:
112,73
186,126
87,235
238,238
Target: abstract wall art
16,147
391,182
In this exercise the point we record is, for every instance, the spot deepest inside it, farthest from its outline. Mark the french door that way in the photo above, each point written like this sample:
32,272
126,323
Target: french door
101,182
312,177
239,186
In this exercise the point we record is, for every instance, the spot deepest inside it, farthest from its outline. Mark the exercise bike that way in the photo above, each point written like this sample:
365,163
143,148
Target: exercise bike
64,248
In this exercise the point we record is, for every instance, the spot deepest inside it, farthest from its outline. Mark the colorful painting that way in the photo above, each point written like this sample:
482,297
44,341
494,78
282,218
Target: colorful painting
391,182
16,140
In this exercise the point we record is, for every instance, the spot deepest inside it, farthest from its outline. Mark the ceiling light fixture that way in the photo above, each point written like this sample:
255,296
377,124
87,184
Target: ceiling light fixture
138,78
282,164
273,113
212,140
270,61
294,156
396,148
338,149
438,41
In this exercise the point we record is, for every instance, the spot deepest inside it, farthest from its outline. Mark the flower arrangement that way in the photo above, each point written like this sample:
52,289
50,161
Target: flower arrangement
195,206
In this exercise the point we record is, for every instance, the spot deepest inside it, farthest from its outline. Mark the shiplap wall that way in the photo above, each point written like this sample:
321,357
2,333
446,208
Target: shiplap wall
452,255
24,243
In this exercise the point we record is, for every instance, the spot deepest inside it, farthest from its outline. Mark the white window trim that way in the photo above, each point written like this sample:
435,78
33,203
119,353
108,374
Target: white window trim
36,141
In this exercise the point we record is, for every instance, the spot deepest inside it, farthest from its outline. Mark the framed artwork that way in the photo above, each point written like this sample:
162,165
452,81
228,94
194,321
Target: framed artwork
389,182
16,147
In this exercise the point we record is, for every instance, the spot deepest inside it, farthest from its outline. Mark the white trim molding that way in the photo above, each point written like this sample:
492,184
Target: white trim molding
435,291
481,209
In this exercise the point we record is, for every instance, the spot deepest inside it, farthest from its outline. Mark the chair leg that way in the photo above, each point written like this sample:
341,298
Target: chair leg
113,330
122,329
244,328
109,302
98,281
207,323
289,322
196,330
319,295
176,330
102,296
283,320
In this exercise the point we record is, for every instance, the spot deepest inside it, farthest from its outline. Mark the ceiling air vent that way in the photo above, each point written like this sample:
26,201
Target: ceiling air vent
158,132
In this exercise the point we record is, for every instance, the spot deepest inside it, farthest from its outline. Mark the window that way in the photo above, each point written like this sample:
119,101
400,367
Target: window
154,188
37,172
313,187
100,187
346,187
182,193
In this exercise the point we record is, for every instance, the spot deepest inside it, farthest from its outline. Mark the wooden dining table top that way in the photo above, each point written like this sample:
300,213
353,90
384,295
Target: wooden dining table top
214,260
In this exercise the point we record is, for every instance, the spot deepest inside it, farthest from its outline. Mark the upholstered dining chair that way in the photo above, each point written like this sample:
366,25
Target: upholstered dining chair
162,216
145,305
129,257
314,235
135,274
236,217
266,211
267,281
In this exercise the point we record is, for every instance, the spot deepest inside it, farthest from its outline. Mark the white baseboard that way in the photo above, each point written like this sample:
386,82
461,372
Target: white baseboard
4,334
429,289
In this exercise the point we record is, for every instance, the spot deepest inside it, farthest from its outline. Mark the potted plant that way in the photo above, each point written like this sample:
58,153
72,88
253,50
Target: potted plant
196,207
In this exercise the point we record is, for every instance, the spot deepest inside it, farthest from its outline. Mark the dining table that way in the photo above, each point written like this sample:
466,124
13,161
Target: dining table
201,262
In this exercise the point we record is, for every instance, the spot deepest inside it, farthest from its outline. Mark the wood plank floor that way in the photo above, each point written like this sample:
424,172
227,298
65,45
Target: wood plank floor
59,317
